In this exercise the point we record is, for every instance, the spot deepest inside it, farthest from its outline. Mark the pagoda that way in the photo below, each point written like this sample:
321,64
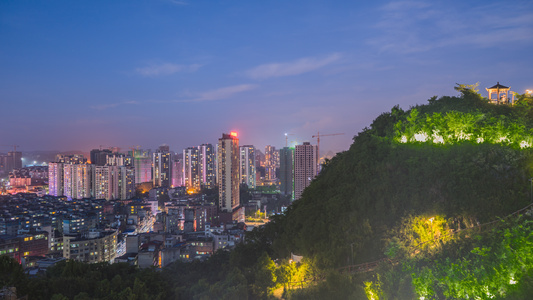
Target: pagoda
499,94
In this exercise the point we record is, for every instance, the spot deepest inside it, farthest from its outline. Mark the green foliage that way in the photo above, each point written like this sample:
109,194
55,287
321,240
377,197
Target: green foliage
77,280
11,272
493,269
373,290
467,89
457,127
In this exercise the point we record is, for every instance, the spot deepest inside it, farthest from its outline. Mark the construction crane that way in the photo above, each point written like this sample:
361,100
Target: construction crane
317,136
133,148
286,138
14,147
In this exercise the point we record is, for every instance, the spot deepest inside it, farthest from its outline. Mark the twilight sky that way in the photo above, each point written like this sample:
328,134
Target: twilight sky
78,74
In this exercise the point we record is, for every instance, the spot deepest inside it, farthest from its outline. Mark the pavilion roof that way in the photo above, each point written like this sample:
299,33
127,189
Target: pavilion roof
499,86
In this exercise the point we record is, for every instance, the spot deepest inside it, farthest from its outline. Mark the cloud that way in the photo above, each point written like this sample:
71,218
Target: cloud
154,70
297,67
178,2
224,92
419,26
111,105
212,95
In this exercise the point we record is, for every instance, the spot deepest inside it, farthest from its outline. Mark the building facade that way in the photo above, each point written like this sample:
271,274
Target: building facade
271,162
98,157
142,162
55,179
305,167
286,171
247,165
177,170
105,182
161,167
191,168
207,165
126,182
77,181
228,172
94,247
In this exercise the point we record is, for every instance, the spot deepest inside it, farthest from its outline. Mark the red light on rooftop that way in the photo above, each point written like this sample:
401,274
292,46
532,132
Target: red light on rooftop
233,133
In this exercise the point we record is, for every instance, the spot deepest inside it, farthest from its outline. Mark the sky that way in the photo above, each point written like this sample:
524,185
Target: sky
75,75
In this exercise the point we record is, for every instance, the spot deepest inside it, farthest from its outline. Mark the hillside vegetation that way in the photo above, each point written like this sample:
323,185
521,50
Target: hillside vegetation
479,172
407,185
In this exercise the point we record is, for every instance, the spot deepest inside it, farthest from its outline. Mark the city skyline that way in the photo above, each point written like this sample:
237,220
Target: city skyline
76,76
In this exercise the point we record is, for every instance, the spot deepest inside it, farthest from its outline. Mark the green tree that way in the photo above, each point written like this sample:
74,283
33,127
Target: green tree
11,272
265,275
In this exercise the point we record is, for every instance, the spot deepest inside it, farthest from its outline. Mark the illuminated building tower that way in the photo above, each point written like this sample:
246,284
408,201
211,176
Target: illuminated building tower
228,172
55,179
247,165
71,159
305,167
191,173
286,171
77,181
143,166
177,170
105,182
126,182
271,162
161,167
207,167
116,159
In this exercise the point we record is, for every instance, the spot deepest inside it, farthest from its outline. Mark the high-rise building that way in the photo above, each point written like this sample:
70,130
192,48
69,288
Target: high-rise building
286,171
207,166
191,172
228,172
77,181
105,182
99,156
142,161
55,179
177,170
161,167
271,162
247,165
116,159
305,167
14,160
71,159
126,182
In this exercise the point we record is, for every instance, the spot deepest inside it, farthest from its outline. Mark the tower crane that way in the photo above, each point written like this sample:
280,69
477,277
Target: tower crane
317,136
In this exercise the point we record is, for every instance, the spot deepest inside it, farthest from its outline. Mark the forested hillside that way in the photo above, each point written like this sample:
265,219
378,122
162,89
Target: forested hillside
415,187
460,159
